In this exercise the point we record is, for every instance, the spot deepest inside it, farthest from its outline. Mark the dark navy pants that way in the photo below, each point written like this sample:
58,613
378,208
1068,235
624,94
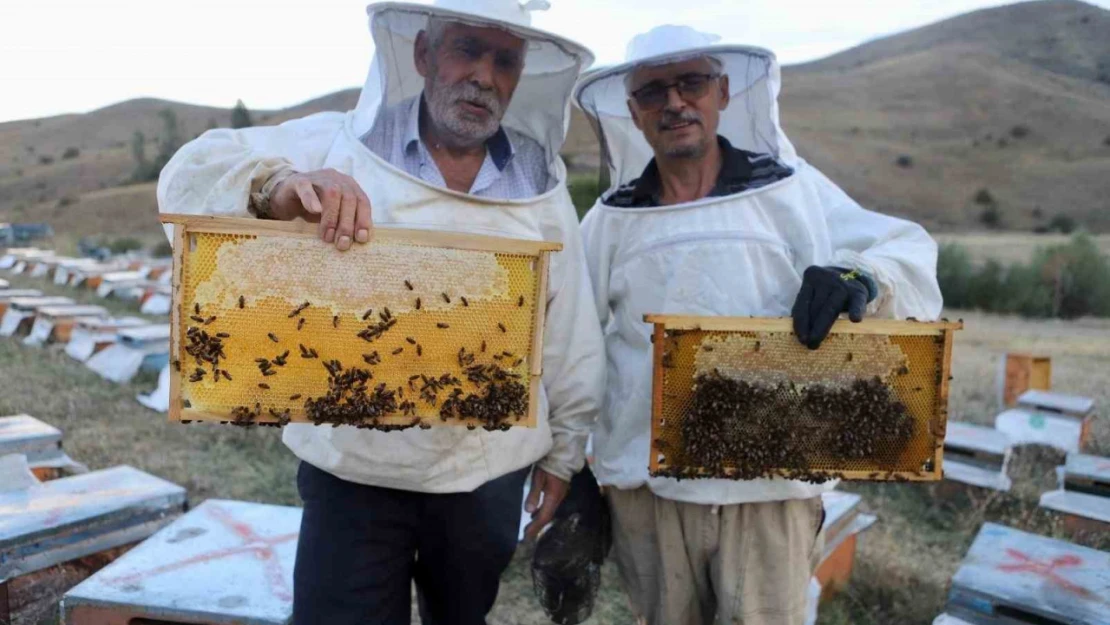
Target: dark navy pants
361,548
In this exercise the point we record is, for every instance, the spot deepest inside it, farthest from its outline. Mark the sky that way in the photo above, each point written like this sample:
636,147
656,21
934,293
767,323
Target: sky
72,56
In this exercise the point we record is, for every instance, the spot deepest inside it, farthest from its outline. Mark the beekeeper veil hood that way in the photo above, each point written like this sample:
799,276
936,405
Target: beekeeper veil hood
751,121
540,105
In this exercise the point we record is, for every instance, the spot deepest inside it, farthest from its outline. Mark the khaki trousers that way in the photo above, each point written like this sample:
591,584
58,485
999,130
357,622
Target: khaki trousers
688,564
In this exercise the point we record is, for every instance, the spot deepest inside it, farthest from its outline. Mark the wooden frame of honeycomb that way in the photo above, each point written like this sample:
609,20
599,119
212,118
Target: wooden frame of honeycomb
761,356
416,328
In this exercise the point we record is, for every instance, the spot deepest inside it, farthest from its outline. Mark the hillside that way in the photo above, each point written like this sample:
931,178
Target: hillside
1012,100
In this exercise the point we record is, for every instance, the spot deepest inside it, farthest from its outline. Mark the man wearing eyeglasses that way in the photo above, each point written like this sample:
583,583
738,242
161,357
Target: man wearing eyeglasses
710,212
676,106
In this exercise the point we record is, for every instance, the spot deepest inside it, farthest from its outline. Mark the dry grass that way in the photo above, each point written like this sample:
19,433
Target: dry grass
904,563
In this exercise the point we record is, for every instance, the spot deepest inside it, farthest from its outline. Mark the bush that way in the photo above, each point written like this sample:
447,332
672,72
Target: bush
984,197
1068,280
124,245
162,250
991,217
46,159
241,116
67,200
1020,131
584,191
70,152
1106,141
1062,224
955,272
904,161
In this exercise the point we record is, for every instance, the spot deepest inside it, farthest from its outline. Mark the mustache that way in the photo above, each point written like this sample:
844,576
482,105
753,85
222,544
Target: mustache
671,118
472,93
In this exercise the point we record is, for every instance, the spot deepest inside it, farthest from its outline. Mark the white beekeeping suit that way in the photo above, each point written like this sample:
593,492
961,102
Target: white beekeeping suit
738,255
215,174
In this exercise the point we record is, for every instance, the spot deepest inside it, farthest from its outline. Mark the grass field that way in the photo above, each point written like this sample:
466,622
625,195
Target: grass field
904,563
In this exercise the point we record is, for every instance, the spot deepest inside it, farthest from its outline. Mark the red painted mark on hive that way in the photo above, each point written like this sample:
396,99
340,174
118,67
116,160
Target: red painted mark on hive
261,547
1047,570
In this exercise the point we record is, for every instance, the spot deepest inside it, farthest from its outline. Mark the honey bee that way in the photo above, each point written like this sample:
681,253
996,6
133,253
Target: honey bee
418,303
411,341
197,318
298,310
408,285
223,335
263,386
849,357
227,376
300,323
388,315
196,308
398,350
483,347
707,348
366,315
520,302
502,327
465,303
273,337
442,326
242,302
210,320
294,397
335,321
419,350
269,372
446,298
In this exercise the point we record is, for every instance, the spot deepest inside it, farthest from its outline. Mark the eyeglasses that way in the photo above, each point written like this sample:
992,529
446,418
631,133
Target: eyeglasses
653,96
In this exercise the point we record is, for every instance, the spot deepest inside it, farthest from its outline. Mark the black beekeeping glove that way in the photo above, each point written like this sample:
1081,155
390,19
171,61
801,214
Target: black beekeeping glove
826,292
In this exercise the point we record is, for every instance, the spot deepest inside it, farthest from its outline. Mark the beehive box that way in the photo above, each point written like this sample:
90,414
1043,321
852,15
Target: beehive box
416,328
741,398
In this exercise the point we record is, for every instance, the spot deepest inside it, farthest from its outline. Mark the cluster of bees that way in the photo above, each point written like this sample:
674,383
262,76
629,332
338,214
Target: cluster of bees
739,430
205,348
351,398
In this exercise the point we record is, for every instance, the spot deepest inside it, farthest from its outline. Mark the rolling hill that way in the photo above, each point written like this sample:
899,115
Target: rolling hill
1013,101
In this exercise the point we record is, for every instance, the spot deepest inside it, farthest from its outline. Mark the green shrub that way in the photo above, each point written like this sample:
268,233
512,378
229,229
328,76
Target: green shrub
70,152
1063,224
955,272
124,245
162,250
584,191
1069,280
991,217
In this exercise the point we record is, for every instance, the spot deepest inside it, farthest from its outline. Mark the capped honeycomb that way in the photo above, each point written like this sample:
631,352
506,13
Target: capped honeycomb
743,399
274,326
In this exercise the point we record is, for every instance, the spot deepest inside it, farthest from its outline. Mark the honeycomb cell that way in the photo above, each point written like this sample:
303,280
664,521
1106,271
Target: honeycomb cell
274,328
786,398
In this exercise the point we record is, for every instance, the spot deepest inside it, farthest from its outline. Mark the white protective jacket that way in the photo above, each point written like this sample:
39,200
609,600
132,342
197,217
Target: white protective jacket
215,173
740,255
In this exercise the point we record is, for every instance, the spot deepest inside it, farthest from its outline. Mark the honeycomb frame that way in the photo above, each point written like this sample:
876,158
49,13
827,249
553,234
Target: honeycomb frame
215,267
678,341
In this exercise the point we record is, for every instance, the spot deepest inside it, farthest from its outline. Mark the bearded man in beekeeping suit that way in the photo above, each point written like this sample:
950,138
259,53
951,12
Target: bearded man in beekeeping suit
711,212
458,128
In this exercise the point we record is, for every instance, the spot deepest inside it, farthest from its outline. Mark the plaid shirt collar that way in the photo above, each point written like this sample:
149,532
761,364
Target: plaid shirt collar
499,148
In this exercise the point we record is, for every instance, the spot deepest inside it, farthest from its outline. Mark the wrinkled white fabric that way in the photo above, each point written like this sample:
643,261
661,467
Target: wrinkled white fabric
741,255
214,174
